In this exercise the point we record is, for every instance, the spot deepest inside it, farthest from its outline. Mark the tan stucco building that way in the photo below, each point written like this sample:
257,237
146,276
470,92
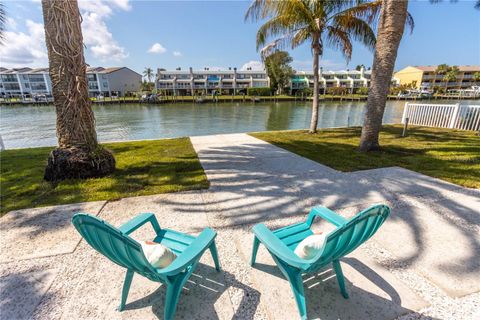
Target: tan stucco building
424,77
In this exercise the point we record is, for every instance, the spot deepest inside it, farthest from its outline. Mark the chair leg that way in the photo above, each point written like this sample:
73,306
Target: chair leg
294,276
174,288
126,288
256,244
213,251
340,278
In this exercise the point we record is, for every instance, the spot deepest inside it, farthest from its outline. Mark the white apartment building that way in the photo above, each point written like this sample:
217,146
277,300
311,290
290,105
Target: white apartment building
188,82
27,82
20,82
350,79
233,81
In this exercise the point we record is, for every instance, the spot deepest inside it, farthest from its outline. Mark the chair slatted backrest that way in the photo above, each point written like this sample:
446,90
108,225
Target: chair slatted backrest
352,234
112,243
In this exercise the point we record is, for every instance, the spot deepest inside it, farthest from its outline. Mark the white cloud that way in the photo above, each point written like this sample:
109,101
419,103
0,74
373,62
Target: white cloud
177,53
122,4
157,48
254,65
24,48
11,23
96,35
28,48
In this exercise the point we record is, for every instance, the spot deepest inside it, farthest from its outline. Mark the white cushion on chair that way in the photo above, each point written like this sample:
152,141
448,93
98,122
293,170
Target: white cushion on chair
157,254
310,246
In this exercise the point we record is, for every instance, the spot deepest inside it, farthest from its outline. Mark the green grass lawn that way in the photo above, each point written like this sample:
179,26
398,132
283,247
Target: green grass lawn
143,168
446,154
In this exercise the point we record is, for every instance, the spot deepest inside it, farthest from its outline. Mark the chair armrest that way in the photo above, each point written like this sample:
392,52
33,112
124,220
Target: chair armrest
139,221
277,247
191,254
326,214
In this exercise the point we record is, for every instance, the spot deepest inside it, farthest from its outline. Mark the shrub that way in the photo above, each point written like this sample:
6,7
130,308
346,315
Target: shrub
305,91
439,90
260,91
337,91
362,90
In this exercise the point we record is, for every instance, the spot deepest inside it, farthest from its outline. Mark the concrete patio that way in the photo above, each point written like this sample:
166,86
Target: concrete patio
424,263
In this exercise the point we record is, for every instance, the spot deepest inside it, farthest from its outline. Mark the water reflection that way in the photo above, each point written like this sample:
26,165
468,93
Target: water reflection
32,126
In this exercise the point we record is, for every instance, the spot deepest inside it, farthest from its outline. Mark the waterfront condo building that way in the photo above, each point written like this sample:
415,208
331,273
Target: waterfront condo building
233,81
188,82
350,79
19,82
27,82
425,77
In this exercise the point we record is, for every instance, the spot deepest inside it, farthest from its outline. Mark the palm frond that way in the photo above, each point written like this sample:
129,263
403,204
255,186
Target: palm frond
339,39
3,22
357,28
292,22
276,27
261,9
300,37
410,22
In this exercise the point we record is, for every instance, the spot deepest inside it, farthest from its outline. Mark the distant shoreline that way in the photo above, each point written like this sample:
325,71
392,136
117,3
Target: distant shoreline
230,99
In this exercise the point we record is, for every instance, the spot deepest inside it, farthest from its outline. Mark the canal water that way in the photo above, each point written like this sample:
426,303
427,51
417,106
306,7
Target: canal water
34,126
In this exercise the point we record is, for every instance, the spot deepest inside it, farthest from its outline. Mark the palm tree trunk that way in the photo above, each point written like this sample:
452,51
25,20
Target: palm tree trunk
78,154
390,31
316,55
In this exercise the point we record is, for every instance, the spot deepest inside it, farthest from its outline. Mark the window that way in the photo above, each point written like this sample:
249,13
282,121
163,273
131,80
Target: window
39,86
9,78
12,86
105,84
35,78
92,86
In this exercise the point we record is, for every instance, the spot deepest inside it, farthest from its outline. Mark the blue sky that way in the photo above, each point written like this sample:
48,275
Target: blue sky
200,34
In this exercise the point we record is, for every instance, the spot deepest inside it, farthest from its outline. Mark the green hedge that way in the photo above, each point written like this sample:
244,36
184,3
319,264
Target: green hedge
261,91
362,90
337,91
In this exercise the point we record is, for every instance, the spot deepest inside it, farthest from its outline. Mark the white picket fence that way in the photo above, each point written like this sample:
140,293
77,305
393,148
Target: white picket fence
453,116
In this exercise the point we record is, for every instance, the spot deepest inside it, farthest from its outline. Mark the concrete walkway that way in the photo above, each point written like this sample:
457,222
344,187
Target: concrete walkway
423,263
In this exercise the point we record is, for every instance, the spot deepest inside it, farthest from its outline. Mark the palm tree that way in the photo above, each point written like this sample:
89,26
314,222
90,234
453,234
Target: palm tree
3,21
78,154
332,23
450,76
391,25
390,30
476,75
148,73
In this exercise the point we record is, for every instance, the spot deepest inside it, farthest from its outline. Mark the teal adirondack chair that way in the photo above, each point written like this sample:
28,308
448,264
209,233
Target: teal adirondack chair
119,247
348,235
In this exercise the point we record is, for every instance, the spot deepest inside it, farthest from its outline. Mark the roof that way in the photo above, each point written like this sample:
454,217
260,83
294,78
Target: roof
107,70
16,70
43,70
103,70
211,71
461,68
39,70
